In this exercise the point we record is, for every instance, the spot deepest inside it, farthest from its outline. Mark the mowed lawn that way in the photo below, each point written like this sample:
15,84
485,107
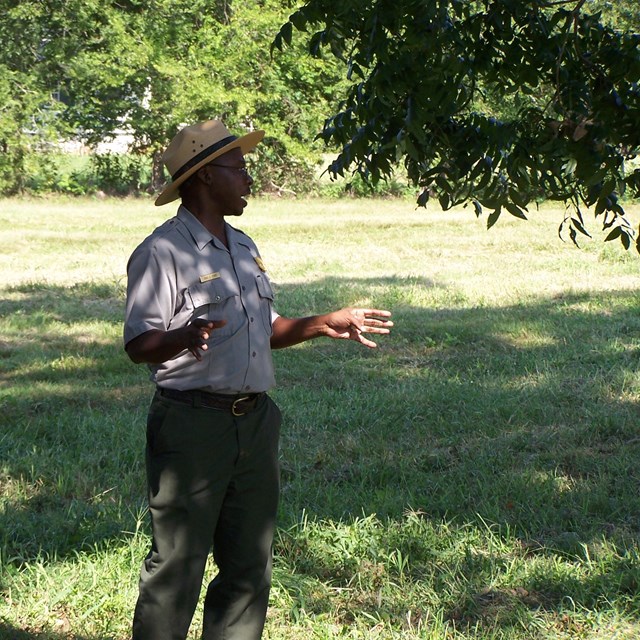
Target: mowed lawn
477,476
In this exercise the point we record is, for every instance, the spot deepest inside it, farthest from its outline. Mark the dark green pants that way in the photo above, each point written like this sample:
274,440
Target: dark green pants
213,484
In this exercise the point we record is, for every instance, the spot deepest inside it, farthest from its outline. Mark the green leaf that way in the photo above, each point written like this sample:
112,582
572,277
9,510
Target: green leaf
517,198
299,20
493,217
287,32
625,239
614,234
514,210
277,43
579,226
574,237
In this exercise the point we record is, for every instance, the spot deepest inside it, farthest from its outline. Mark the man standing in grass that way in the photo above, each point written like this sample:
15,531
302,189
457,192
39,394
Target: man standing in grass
200,313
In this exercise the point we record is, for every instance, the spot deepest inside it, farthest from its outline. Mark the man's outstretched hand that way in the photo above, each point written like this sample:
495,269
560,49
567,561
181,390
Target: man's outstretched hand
353,323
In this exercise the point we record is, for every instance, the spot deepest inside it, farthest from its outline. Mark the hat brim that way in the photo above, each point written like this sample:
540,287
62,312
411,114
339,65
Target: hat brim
246,143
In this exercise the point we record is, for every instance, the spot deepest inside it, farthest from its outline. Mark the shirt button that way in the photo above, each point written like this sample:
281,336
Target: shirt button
244,288
254,354
217,298
251,319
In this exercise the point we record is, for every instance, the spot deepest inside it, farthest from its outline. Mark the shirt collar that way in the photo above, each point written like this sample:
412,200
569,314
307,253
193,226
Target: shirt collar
202,237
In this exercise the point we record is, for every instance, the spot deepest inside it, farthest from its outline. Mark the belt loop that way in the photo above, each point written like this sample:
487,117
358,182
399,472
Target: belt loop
197,398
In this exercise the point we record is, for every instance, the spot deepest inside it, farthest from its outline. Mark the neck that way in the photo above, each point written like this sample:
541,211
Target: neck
210,219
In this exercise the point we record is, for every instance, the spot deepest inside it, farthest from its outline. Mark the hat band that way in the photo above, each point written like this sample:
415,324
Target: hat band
201,156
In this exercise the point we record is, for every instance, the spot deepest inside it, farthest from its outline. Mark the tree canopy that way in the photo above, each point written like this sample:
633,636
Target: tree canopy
92,67
497,103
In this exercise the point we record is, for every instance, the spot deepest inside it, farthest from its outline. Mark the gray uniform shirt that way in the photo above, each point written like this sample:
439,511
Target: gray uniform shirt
180,272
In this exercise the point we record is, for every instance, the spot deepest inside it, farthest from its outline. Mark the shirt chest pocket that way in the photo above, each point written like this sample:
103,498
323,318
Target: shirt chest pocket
265,293
213,300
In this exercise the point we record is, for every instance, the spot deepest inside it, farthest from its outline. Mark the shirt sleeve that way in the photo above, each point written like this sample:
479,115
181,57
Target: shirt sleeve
150,294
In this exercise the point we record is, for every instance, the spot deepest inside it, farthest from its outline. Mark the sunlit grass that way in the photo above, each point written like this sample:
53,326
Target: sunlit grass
476,477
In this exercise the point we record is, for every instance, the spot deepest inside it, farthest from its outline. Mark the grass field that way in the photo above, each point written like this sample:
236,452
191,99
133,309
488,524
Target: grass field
476,477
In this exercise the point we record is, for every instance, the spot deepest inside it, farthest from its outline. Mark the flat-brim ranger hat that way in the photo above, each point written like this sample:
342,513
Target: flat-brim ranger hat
197,145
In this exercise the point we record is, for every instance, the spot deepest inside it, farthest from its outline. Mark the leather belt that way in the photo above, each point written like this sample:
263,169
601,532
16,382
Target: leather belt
237,405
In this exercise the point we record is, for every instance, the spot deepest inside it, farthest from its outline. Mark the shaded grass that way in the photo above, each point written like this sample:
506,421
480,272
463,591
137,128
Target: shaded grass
475,477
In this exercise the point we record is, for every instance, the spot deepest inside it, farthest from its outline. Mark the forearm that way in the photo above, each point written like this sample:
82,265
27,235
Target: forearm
345,324
290,331
156,346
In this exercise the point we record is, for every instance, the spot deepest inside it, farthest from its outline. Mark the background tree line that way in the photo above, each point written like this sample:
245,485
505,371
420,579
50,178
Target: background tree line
497,103
88,68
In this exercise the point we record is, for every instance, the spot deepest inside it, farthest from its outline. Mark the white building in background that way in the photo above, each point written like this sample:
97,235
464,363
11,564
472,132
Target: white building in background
121,143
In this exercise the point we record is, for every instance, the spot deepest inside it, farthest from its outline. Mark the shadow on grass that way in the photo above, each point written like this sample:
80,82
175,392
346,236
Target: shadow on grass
9,632
522,419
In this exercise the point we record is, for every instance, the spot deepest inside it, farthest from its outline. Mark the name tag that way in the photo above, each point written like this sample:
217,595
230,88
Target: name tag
210,276
260,264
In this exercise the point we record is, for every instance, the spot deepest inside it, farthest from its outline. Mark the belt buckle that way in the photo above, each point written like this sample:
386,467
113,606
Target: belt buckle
234,411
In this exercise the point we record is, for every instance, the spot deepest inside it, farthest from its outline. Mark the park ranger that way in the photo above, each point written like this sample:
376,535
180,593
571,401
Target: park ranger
200,314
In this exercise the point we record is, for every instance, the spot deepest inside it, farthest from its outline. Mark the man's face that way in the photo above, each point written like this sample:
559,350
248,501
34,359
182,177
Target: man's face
229,182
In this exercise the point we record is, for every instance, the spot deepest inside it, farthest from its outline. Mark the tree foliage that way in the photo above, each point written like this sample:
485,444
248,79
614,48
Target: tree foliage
100,66
491,102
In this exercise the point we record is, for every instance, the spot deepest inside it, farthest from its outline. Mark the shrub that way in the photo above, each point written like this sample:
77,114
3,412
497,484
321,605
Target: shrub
275,169
125,174
356,187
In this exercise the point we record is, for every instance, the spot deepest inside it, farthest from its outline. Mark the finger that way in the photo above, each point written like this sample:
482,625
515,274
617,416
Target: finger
197,350
198,346
195,353
349,334
366,342
378,330
382,313
201,323
371,322
368,318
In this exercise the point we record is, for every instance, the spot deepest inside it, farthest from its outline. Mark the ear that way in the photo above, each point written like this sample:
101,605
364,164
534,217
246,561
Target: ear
204,175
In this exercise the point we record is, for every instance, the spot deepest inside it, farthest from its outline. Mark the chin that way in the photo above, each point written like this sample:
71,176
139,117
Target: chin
236,211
